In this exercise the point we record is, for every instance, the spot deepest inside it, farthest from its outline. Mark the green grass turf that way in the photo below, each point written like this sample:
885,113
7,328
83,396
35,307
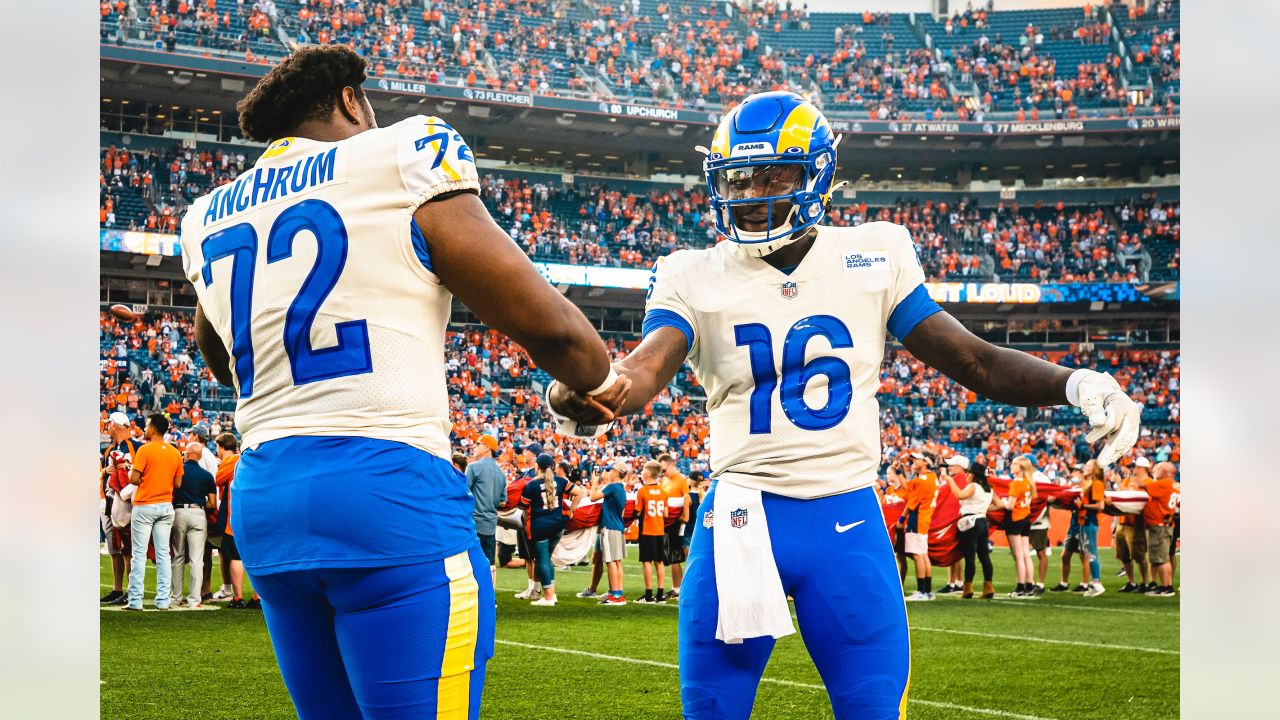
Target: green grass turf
1116,657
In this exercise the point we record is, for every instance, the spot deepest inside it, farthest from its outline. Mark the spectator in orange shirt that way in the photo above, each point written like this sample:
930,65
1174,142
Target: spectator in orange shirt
1158,514
651,502
676,486
1131,540
157,470
1018,525
922,497
232,566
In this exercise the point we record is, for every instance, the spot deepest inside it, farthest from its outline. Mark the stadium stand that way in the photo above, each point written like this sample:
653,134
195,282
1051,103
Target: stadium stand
682,53
153,365
631,224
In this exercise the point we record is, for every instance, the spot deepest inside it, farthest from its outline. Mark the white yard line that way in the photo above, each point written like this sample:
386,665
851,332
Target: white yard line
773,681
1021,638
1010,602
998,636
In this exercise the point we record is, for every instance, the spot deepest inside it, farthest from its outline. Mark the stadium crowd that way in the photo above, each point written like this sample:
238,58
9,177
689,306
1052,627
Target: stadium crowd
595,223
150,369
679,53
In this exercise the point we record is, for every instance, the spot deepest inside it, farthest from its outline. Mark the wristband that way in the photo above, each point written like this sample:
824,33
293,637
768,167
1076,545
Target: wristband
1073,385
608,383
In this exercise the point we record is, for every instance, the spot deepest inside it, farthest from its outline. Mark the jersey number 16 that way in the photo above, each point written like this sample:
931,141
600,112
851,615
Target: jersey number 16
796,373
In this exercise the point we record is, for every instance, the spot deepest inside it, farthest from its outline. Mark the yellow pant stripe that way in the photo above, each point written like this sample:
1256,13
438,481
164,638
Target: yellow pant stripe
902,707
454,692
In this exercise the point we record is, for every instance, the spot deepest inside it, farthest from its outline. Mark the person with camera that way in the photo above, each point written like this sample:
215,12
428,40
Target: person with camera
612,549
975,499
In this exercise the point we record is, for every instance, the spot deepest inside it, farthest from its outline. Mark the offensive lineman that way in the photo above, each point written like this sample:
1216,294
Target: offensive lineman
324,276
785,327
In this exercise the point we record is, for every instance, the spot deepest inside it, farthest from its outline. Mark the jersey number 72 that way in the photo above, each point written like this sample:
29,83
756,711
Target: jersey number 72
796,373
350,356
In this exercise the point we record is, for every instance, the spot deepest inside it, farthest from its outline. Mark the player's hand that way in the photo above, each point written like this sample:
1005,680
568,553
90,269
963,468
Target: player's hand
592,410
1113,417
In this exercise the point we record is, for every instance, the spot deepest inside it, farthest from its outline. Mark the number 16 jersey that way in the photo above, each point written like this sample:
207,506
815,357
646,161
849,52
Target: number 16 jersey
319,284
791,362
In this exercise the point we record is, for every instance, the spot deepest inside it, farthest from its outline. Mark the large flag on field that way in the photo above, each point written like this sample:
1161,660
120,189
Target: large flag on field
944,548
1119,502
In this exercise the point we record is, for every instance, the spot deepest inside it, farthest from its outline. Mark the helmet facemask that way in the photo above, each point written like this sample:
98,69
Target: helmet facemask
763,204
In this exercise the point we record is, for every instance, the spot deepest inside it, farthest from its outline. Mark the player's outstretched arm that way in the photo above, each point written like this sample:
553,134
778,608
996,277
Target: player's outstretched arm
649,368
211,348
483,268
1016,378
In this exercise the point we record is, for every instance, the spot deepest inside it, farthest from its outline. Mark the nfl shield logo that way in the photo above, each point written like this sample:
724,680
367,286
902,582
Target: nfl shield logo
709,518
738,518
789,290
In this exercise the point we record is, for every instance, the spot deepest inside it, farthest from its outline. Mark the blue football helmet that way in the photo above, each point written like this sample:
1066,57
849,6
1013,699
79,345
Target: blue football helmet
771,164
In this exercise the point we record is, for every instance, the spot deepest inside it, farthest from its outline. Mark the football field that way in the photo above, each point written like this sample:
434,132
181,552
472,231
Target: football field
1063,657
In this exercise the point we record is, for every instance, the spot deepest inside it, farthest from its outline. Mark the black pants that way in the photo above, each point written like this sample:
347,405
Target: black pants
975,540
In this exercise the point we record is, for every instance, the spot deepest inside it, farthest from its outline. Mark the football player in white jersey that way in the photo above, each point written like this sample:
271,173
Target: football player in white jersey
325,275
784,324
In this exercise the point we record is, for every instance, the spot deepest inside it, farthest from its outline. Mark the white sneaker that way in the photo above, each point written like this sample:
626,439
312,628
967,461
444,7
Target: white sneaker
529,594
588,594
919,597
1095,590
543,602
222,594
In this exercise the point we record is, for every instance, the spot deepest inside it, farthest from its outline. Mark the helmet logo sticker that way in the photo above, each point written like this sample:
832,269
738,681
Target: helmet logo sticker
752,148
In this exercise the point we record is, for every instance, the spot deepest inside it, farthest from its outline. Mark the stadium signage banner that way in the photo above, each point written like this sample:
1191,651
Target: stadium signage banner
146,243
942,292
143,243
841,122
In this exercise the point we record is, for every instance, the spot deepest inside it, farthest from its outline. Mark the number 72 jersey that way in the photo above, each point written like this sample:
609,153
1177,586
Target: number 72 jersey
791,362
318,282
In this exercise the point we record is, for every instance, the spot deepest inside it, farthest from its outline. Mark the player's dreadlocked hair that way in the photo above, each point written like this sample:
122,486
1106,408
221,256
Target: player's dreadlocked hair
304,86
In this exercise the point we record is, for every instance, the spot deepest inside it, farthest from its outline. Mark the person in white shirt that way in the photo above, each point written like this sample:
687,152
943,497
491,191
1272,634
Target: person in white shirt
975,499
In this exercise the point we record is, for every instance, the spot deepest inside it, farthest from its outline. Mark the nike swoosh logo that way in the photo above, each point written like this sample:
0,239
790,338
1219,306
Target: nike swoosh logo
845,528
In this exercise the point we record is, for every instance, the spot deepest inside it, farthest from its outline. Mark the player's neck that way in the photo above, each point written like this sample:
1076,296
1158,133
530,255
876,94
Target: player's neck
789,256
327,130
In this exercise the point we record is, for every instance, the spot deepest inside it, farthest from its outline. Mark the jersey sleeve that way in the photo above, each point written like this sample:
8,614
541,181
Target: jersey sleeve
664,304
911,302
434,159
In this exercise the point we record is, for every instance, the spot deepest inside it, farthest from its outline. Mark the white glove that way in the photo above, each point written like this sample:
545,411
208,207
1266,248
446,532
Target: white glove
570,427
1112,415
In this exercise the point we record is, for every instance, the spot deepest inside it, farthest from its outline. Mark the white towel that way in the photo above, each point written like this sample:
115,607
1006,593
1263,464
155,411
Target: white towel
752,601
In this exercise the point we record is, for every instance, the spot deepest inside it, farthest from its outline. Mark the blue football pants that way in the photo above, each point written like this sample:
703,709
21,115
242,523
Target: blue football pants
848,601
403,642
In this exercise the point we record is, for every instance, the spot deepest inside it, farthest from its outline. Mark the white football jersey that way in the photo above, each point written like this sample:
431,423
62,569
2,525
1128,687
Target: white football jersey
313,272
791,363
